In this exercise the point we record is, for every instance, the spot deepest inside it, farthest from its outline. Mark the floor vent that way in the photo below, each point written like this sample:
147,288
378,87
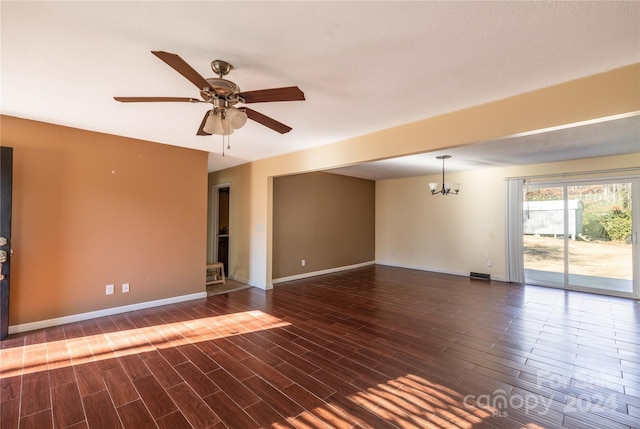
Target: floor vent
480,276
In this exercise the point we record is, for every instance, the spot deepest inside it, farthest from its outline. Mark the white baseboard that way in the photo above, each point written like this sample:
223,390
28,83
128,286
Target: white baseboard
321,272
421,268
435,270
32,326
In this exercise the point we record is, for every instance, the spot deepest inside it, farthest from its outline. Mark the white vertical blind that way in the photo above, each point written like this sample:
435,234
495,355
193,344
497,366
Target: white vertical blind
515,256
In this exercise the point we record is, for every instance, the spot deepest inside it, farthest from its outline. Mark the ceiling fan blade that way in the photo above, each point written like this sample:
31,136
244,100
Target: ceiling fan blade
201,131
289,93
181,66
266,121
156,99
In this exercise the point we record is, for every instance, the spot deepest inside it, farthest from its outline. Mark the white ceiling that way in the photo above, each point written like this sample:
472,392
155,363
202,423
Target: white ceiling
363,66
610,136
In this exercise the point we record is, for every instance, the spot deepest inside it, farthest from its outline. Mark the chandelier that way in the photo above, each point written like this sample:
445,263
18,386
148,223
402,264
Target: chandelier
447,188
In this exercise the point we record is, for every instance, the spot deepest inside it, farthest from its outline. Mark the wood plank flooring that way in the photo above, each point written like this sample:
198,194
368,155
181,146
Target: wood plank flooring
375,347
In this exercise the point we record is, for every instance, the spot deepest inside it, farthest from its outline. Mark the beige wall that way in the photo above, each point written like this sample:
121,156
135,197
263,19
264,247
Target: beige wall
459,234
607,94
92,209
326,219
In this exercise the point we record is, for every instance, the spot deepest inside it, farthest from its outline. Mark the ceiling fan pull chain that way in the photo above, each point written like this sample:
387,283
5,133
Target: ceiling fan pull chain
228,142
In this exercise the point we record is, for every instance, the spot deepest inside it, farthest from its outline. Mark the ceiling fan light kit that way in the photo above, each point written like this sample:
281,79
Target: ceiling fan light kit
224,121
447,187
224,118
217,123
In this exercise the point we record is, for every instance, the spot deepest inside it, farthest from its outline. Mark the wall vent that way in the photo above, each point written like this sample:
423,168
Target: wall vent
480,276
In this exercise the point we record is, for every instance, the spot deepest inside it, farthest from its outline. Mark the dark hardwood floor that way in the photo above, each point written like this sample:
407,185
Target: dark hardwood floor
375,347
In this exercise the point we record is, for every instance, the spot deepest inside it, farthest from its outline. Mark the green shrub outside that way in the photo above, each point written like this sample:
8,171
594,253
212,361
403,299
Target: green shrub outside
617,224
606,223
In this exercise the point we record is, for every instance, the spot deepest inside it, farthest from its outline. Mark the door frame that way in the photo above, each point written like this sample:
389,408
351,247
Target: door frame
6,191
635,208
215,221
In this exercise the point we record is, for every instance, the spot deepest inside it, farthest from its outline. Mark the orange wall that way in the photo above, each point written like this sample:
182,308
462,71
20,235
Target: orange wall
93,209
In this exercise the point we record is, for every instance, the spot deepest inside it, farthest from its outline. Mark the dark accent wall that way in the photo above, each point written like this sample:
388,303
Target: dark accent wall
326,219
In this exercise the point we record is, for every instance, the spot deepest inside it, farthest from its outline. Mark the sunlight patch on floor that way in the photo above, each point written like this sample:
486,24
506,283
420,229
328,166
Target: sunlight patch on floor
412,401
76,351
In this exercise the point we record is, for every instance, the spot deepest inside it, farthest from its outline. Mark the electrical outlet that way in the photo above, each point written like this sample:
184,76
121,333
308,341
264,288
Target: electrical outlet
125,287
109,290
303,263
489,263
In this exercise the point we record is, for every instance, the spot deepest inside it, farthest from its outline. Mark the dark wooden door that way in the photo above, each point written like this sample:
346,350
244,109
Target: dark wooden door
6,181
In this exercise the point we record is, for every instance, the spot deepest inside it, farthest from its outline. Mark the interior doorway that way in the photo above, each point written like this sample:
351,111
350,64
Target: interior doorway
221,224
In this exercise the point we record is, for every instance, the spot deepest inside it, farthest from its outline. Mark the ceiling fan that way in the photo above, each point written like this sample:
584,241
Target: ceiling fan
223,95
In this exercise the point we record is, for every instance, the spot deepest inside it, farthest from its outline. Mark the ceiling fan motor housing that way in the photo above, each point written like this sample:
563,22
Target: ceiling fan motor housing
221,88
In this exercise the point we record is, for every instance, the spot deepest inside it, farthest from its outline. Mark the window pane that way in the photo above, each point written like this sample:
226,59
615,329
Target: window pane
600,255
543,229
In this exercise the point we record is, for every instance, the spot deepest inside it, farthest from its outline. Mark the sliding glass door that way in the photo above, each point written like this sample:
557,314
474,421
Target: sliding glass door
581,235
